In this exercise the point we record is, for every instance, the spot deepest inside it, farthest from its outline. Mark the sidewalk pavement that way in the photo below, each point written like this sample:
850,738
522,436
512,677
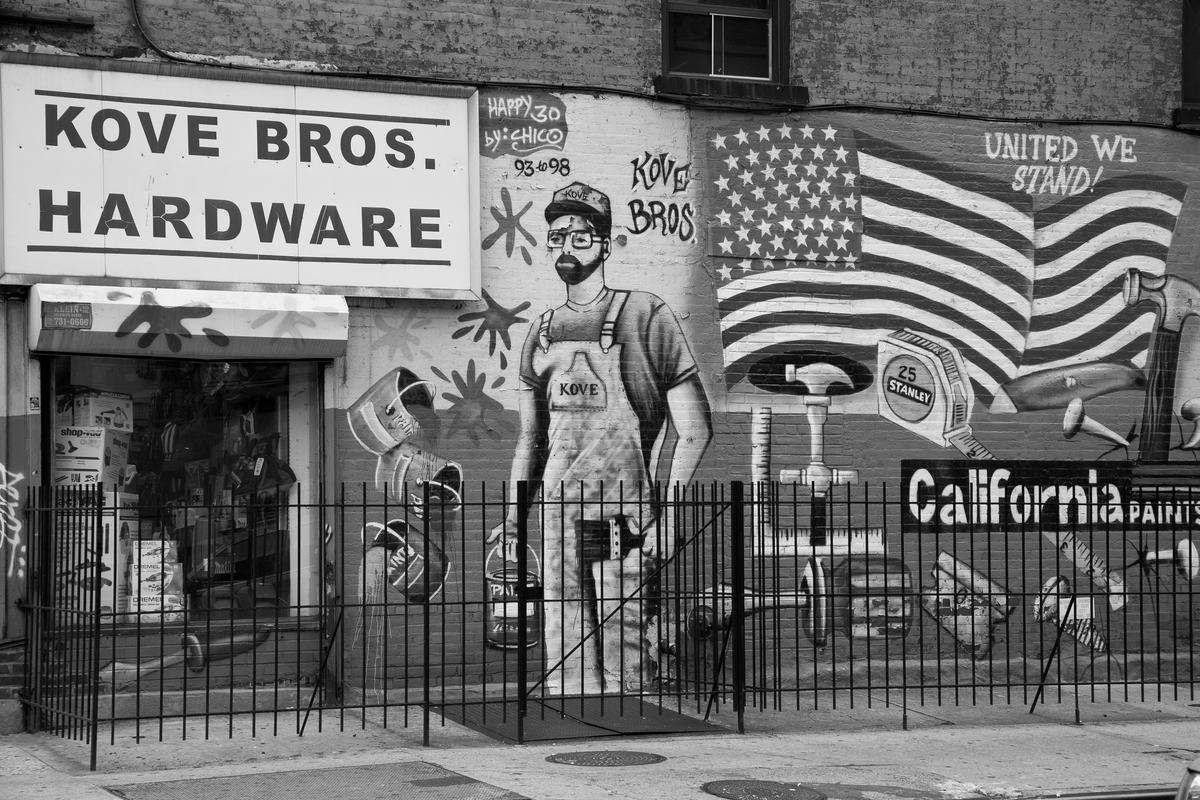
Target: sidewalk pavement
858,753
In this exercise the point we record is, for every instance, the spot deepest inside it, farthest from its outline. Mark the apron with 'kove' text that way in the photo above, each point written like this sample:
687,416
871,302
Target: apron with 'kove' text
594,472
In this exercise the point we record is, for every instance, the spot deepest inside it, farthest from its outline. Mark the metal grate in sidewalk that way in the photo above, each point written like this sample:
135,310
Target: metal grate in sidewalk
415,780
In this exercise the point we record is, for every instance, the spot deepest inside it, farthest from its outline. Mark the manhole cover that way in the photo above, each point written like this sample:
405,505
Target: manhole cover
762,790
606,758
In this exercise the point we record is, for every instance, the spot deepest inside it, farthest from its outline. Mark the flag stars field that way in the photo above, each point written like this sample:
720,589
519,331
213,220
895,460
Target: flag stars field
790,174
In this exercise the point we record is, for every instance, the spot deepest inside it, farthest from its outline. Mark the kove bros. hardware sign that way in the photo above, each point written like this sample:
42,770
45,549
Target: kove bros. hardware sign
127,175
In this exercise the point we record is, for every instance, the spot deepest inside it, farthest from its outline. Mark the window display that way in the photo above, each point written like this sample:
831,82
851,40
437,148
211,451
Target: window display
200,456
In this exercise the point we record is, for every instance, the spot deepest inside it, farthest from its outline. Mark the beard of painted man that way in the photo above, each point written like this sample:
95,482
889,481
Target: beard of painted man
572,271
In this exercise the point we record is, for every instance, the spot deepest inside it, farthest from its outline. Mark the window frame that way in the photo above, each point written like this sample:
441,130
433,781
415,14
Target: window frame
300,433
717,15
752,91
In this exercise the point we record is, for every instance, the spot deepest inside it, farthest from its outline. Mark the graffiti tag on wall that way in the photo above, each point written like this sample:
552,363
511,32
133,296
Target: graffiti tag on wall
520,123
657,172
10,521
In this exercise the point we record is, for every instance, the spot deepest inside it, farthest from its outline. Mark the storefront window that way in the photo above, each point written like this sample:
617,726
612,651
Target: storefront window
210,464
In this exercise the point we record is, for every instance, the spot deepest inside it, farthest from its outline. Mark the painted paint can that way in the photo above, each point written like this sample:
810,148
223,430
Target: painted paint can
967,603
502,584
381,419
873,597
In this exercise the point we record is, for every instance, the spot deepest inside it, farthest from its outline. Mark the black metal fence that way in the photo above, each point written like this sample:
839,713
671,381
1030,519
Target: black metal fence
516,606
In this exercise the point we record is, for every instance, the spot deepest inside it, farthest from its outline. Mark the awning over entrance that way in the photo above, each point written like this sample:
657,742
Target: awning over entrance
186,323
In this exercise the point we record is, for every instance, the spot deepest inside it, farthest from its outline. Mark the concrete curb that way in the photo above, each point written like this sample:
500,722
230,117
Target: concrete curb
859,753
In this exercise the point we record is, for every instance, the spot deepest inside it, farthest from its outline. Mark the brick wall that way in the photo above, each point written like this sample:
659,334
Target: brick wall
12,671
1074,59
925,54
1116,60
556,41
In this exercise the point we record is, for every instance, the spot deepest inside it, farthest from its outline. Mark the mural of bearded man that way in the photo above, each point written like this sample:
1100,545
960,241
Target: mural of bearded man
604,376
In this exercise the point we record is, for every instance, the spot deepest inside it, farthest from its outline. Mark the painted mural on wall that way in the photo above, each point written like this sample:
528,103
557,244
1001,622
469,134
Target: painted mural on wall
394,422
831,240
940,294
826,301
565,370
603,375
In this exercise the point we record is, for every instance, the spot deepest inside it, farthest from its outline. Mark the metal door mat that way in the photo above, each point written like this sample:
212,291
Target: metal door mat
415,779
562,718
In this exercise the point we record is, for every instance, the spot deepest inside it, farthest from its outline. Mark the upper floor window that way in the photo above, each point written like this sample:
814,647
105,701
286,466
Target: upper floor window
732,49
725,38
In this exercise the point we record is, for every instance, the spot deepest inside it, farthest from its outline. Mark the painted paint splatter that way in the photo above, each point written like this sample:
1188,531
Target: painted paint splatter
508,225
168,322
495,320
289,326
473,413
403,336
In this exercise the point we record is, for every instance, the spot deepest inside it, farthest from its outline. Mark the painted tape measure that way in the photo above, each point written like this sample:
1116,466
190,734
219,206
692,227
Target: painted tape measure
923,387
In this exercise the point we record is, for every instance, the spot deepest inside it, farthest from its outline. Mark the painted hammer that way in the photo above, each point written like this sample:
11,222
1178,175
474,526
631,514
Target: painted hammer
1175,300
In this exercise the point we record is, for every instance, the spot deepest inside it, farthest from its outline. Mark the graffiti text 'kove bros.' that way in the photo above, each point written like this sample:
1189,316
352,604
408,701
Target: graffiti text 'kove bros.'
198,136
939,494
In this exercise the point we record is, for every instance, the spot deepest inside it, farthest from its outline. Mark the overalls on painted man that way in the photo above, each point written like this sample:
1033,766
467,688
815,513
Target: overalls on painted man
594,474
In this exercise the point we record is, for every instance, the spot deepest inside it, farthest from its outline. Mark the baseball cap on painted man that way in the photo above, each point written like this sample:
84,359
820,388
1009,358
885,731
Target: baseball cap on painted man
581,199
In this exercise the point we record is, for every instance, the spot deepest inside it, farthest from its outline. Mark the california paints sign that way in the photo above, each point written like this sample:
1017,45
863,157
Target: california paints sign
1037,495
151,175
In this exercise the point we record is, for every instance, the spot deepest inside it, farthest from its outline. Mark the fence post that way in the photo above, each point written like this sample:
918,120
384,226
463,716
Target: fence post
737,508
40,616
94,618
426,622
522,605
1050,659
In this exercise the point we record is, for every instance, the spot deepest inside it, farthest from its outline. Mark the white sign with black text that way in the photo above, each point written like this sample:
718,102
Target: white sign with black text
127,175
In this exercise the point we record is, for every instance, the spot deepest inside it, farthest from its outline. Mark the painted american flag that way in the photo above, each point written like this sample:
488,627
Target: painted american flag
829,239
1084,244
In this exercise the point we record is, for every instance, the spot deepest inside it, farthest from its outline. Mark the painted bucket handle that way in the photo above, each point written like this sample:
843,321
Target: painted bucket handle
497,549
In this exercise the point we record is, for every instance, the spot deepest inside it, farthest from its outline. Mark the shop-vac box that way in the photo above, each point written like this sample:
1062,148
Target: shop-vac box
86,455
89,559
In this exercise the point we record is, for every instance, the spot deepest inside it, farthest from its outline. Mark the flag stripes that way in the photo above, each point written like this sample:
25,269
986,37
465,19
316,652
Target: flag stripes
1085,244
